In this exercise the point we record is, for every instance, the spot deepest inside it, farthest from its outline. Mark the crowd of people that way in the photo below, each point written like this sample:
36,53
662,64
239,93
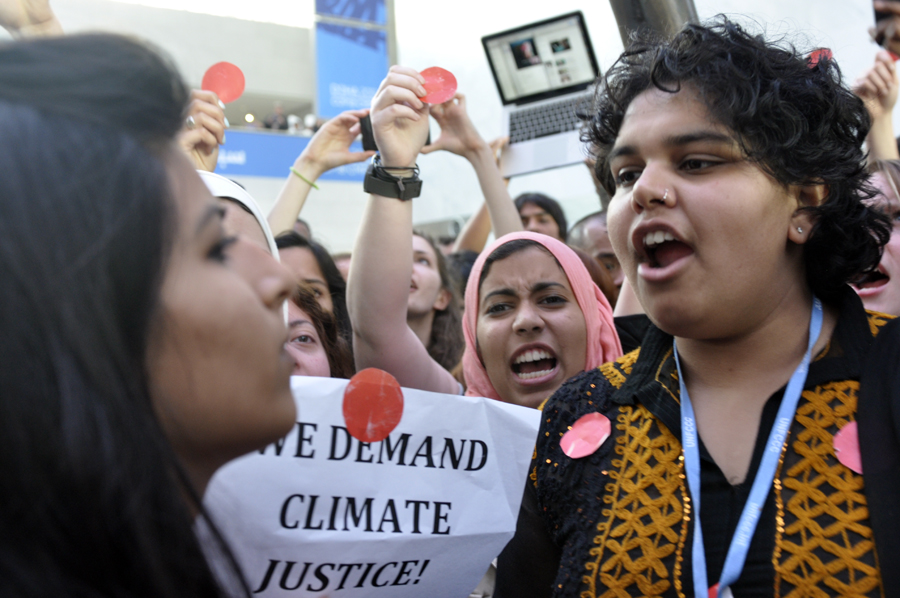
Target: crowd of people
730,313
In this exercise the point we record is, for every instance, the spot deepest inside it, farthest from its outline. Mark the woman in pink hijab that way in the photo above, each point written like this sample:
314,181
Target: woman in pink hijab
534,318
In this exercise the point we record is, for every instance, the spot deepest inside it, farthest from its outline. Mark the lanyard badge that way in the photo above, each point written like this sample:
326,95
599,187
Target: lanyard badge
740,543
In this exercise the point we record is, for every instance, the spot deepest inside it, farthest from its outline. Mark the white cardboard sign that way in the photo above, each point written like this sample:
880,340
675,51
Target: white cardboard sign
421,513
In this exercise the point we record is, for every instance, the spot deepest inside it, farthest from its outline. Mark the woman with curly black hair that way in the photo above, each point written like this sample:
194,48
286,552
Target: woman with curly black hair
731,466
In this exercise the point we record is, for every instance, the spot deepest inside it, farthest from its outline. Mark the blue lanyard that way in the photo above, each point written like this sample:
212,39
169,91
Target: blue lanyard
740,543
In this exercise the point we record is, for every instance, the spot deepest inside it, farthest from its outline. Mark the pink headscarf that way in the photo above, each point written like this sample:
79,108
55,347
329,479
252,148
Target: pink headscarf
602,341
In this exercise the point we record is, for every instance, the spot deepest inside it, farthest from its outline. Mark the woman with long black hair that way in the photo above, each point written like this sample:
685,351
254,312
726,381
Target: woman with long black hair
124,381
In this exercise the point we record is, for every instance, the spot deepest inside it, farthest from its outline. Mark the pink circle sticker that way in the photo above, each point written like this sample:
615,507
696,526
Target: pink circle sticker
373,405
440,85
846,447
585,436
225,79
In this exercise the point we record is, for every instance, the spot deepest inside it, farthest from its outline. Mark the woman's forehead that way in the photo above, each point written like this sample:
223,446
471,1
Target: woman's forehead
525,268
422,245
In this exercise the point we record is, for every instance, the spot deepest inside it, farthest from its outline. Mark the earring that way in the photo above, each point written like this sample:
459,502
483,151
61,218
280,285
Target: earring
799,230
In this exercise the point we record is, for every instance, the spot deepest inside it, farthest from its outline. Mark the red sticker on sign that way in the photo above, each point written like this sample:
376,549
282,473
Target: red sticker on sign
373,405
846,447
585,436
440,85
225,79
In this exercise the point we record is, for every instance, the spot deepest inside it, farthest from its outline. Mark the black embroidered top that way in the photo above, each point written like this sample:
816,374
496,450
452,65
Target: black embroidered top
619,522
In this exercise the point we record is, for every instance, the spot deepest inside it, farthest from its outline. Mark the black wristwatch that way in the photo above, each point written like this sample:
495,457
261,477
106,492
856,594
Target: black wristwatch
380,181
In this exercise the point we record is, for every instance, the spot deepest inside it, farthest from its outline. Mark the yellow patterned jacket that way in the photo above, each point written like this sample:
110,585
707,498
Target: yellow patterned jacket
619,522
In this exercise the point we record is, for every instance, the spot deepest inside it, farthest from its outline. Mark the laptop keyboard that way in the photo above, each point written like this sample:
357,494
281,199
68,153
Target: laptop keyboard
544,120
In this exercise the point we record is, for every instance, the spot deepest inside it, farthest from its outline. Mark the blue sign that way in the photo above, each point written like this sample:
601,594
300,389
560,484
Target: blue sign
370,11
350,64
272,155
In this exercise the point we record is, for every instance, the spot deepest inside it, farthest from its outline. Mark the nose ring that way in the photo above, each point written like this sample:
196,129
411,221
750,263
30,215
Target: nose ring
665,195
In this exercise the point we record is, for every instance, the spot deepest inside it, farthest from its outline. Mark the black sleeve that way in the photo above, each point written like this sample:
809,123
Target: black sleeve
878,418
528,565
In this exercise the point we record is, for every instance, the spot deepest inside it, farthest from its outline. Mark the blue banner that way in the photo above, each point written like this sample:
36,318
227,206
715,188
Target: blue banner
369,11
272,155
350,64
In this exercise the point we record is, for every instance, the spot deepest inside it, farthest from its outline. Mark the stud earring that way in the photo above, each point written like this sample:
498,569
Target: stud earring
799,230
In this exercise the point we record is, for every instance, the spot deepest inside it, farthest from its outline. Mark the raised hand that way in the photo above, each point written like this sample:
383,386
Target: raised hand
458,134
399,117
204,129
878,86
330,146
23,18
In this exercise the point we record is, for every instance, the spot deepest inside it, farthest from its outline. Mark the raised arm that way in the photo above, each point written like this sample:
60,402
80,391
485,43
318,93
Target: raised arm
29,18
381,268
459,136
878,89
329,148
474,235
204,129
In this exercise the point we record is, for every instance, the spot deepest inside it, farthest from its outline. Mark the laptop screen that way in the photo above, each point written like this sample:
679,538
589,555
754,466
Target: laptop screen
543,59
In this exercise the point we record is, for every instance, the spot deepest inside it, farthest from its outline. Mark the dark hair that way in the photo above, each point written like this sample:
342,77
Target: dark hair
95,501
337,286
447,342
577,235
508,249
599,275
337,350
789,114
549,205
461,263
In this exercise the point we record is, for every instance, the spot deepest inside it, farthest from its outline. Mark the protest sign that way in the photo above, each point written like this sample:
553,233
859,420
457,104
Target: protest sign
421,513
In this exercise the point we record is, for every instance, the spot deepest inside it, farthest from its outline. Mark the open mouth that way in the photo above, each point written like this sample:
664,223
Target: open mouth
663,249
534,363
872,280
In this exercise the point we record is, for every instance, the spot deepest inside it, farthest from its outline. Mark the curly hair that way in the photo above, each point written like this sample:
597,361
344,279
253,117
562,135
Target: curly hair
789,114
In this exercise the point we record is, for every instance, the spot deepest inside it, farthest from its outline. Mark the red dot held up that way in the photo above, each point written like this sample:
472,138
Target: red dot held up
585,436
225,79
440,85
373,405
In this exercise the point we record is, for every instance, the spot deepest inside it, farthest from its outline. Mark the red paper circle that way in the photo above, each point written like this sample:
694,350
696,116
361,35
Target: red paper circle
440,85
818,54
225,79
373,405
585,436
846,447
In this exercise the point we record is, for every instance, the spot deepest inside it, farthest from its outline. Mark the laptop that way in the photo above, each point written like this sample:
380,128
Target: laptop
544,72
